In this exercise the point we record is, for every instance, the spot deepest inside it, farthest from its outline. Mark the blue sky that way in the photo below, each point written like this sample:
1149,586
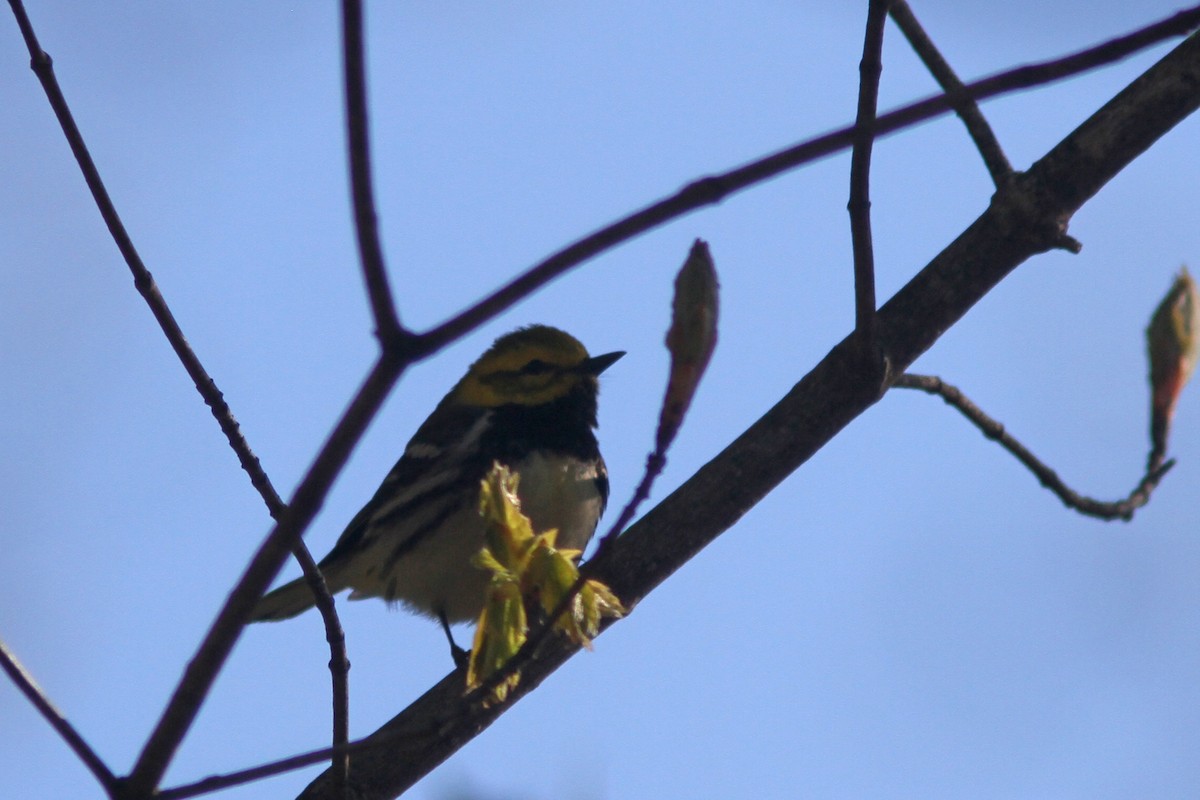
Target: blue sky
909,615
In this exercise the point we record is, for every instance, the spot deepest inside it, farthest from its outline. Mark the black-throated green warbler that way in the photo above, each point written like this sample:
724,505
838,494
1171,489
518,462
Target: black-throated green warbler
529,402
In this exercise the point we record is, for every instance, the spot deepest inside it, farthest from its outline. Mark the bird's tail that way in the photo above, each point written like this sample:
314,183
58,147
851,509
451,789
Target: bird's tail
287,601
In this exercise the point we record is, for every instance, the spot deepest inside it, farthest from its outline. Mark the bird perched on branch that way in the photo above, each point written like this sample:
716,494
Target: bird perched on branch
529,402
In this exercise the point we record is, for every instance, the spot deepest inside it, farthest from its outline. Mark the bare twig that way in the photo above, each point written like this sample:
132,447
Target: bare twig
387,324
202,670
1118,509
216,783
52,715
859,206
339,663
966,108
42,66
715,188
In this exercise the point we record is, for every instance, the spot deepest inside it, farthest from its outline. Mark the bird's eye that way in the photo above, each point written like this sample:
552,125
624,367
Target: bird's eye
536,367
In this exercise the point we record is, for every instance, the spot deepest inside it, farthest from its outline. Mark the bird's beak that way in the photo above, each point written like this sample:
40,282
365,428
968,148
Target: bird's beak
597,364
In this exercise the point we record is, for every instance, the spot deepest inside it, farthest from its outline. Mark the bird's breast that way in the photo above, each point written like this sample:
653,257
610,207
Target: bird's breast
564,493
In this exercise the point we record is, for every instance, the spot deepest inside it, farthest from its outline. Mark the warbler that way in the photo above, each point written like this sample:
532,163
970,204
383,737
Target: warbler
529,402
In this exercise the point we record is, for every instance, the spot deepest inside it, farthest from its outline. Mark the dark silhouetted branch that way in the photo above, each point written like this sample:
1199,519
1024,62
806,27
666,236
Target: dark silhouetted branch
387,323
42,66
1117,509
859,206
713,189
25,682
966,108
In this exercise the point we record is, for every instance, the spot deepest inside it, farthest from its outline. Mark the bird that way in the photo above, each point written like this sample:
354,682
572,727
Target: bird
529,403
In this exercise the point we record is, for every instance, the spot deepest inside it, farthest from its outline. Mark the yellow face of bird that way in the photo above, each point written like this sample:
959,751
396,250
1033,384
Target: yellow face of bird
530,366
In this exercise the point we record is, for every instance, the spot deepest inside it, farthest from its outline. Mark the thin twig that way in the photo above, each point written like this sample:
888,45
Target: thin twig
52,715
1119,509
712,190
859,205
210,656
966,108
215,783
387,323
339,663
42,66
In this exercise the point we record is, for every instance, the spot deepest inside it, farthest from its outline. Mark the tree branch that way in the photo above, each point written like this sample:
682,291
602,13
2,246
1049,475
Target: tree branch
339,662
966,108
859,205
215,783
387,323
202,670
715,188
1119,509
1027,216
25,682
43,67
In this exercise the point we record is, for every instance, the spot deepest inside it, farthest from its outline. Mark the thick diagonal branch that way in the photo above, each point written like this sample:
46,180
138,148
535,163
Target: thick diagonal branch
1026,217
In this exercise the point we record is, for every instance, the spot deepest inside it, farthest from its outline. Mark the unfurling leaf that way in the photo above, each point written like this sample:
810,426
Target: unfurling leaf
526,567
691,339
1174,342
594,602
508,532
498,636
554,573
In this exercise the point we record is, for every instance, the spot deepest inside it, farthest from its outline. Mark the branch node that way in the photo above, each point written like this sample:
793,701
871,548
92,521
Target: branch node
1026,206
400,345
42,63
1068,243
711,189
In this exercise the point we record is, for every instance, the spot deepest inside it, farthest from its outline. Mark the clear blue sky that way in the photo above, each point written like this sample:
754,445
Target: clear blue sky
909,615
